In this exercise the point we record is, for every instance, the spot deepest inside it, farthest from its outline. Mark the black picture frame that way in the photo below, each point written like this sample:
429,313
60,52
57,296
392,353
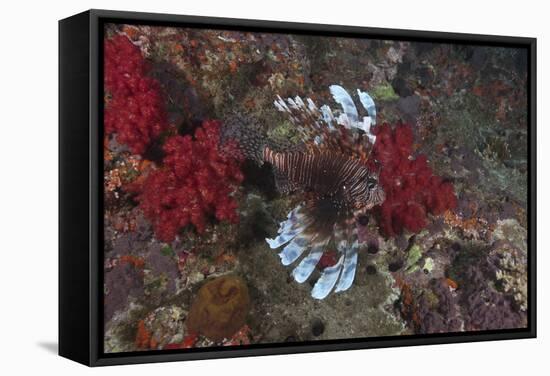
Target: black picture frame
80,186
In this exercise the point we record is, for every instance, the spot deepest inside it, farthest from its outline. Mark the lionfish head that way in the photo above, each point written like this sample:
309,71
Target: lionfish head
374,193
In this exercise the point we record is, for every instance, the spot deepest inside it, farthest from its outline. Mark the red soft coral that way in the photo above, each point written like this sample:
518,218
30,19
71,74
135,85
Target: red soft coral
195,182
412,190
134,108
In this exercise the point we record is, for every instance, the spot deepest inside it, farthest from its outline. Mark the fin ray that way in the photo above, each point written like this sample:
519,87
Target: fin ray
327,281
317,125
342,97
349,267
293,250
302,272
289,229
368,104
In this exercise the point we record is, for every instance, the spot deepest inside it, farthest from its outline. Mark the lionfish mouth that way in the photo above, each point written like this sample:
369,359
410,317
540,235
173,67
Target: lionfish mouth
379,196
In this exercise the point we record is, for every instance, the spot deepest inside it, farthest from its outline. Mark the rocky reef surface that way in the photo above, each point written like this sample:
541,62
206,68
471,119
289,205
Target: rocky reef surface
185,258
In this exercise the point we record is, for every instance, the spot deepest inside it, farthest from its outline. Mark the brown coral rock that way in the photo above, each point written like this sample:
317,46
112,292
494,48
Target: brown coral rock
220,308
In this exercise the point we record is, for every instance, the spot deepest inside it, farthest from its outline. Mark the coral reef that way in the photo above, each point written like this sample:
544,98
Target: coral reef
511,274
220,308
485,307
134,107
447,252
160,328
195,181
123,282
412,190
161,271
435,310
482,291
122,169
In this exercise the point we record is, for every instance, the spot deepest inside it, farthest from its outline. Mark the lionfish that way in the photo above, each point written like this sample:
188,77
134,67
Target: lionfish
329,168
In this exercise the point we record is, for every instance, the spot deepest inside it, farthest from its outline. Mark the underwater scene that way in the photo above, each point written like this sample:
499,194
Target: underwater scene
264,188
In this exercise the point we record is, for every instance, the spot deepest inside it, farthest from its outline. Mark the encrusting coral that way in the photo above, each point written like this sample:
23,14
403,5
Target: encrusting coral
134,106
412,190
485,307
195,181
123,282
220,308
510,266
160,327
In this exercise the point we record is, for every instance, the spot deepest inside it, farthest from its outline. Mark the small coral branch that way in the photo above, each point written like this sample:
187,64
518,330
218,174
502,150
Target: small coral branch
134,107
412,190
195,182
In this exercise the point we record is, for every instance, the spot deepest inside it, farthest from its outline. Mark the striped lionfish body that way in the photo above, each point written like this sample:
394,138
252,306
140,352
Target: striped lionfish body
330,170
346,181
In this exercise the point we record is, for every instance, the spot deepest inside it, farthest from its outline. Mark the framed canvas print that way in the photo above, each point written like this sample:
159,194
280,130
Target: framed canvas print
237,187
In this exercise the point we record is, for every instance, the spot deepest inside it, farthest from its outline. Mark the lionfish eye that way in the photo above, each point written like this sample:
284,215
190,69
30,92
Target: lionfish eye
371,183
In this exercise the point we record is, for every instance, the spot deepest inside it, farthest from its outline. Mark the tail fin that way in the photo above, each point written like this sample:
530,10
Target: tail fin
247,134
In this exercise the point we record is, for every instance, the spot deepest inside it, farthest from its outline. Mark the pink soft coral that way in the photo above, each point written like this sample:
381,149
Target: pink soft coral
195,182
412,190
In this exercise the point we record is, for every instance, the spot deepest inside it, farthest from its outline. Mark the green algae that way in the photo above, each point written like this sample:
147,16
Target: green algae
284,132
384,93
415,254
